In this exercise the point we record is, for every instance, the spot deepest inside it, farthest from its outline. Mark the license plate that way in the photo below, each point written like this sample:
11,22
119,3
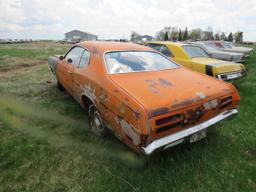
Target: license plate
233,76
197,136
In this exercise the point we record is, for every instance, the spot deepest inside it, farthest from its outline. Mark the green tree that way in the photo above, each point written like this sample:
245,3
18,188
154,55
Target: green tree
134,36
238,36
174,33
161,35
185,35
208,34
166,38
216,36
180,35
230,37
223,36
195,34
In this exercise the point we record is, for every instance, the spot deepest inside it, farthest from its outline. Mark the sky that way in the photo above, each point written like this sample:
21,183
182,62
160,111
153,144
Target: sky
113,19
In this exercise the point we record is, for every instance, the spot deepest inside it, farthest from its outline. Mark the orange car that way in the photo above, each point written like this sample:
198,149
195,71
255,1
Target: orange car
147,100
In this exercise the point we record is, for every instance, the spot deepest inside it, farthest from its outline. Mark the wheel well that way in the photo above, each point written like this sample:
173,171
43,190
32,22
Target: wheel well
86,102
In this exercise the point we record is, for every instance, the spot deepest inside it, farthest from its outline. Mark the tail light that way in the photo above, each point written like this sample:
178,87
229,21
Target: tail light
225,102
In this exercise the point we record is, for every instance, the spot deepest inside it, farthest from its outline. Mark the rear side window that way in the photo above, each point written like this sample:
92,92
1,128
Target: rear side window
155,47
84,59
75,55
162,49
166,51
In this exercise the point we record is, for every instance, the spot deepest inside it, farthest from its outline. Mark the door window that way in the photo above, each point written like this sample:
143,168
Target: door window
75,55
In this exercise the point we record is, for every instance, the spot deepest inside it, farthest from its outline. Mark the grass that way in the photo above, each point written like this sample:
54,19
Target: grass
46,143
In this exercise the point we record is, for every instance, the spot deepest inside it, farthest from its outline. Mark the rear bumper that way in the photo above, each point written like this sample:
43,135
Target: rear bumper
231,75
174,139
239,60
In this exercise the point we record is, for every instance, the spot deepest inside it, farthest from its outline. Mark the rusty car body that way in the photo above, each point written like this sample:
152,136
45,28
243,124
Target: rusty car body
145,99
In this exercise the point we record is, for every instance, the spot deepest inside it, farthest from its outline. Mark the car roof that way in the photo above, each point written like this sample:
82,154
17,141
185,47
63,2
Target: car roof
169,43
106,46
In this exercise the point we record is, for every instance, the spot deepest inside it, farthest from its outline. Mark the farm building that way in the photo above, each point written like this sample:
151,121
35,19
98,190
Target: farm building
143,38
77,35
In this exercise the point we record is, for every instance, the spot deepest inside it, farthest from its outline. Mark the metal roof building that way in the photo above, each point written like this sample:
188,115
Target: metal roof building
77,35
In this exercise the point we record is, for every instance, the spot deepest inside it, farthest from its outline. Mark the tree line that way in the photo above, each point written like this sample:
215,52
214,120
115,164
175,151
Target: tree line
176,34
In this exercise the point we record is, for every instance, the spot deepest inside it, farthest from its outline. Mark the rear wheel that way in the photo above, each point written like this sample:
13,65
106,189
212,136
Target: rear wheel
96,122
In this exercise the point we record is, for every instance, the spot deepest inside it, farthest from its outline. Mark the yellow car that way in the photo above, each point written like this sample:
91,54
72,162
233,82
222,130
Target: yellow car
196,58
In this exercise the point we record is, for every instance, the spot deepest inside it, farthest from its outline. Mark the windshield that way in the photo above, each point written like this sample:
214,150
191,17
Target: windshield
135,61
194,51
226,45
211,48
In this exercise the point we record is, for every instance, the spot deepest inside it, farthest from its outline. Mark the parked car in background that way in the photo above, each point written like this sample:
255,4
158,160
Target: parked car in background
147,100
222,55
194,57
224,46
233,46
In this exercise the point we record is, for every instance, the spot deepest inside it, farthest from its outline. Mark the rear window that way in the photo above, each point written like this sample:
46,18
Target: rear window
194,51
137,61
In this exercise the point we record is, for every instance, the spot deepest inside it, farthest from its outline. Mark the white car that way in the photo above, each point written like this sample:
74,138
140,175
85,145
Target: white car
222,55
227,47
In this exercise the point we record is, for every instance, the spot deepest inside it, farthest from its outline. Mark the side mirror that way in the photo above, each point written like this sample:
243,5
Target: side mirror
70,60
61,57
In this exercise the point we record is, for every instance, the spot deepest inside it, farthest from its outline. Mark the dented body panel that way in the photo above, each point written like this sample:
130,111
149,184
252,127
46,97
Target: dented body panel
143,107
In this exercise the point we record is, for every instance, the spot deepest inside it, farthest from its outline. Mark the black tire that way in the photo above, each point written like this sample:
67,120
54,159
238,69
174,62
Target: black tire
59,86
96,122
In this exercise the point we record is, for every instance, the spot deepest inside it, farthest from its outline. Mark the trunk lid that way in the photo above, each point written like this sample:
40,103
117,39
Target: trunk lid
221,66
168,88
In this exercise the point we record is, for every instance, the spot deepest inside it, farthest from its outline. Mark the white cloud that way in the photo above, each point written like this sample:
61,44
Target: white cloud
116,18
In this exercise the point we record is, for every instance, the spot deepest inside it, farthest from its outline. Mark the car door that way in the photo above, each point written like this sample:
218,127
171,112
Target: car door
67,66
80,78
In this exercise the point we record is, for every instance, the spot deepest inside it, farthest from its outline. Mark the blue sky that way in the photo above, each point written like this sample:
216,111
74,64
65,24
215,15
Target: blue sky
49,19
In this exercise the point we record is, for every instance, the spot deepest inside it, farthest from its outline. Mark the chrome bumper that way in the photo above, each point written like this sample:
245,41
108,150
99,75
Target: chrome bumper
231,76
174,138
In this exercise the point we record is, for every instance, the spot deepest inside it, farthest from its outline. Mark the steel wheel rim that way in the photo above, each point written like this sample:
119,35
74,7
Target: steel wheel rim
96,123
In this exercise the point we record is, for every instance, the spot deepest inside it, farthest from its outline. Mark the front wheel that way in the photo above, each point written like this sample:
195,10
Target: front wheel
96,122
